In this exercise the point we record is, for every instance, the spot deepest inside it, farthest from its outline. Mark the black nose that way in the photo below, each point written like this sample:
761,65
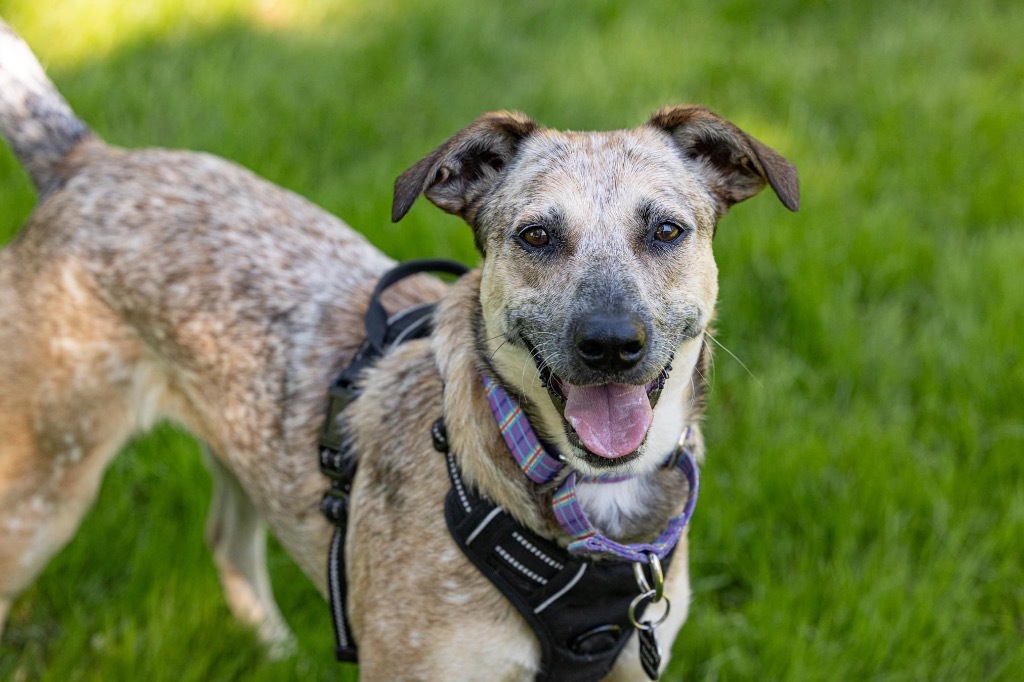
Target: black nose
610,341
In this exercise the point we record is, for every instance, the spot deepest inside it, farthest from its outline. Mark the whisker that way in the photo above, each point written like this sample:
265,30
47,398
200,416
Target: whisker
522,378
498,348
707,382
734,357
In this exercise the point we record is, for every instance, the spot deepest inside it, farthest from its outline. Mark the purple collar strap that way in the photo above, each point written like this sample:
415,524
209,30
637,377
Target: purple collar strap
540,467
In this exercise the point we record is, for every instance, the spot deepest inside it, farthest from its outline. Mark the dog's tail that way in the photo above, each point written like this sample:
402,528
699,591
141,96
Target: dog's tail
35,120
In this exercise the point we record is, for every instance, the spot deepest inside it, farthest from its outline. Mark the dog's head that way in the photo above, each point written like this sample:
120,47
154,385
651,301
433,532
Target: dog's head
598,276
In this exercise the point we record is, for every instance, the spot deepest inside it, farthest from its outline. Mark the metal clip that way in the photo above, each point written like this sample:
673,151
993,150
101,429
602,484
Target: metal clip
657,584
647,624
652,590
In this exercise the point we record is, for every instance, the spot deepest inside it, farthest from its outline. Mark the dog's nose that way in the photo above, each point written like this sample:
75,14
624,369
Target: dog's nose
610,341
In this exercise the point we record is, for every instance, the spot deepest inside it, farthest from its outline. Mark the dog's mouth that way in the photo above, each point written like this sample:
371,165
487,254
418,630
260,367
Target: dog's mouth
608,422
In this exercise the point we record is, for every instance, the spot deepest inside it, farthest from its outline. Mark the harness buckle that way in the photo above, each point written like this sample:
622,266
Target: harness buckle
334,506
341,393
337,465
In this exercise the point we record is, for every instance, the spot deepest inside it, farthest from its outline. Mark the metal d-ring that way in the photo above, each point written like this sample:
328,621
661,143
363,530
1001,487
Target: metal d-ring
647,625
657,584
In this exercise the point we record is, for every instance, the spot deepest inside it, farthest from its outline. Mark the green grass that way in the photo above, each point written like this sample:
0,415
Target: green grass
862,512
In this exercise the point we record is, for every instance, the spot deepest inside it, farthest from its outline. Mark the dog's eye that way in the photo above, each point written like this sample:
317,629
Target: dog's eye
668,231
535,236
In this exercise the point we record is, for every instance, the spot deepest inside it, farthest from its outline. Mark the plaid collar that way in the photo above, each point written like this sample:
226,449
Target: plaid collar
541,467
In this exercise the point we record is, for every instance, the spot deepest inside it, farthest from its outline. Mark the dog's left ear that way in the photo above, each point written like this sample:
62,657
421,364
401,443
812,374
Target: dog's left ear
458,175
735,164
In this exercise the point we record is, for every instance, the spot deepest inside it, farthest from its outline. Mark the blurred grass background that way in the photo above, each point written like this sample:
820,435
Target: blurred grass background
862,512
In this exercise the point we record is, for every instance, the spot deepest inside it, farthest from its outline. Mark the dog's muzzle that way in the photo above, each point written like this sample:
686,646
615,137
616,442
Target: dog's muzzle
608,421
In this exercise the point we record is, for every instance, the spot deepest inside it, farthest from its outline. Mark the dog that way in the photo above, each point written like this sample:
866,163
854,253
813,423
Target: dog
157,285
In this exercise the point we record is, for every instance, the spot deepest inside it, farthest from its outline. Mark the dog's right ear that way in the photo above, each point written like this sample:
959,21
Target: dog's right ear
459,173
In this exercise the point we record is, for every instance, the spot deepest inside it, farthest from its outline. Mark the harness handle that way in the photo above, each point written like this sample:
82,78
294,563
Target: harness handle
376,317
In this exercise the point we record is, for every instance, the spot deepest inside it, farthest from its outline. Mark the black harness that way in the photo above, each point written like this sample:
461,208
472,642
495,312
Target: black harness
576,607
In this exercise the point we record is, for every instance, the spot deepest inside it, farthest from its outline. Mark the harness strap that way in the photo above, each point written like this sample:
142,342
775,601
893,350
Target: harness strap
340,468
336,460
577,607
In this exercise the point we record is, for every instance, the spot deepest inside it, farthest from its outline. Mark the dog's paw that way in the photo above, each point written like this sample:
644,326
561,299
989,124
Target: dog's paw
278,639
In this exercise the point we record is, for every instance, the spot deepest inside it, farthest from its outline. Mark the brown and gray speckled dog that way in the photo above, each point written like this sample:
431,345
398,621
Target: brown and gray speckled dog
156,284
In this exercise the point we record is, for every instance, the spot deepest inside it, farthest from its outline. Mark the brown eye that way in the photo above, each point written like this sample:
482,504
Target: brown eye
667,232
535,236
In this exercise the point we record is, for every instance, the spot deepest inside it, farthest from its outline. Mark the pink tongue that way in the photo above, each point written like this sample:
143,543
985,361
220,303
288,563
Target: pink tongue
611,420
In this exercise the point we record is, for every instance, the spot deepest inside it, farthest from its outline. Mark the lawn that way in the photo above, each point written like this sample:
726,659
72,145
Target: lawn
862,506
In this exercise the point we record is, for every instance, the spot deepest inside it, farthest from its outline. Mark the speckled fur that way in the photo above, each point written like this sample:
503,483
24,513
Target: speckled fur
155,284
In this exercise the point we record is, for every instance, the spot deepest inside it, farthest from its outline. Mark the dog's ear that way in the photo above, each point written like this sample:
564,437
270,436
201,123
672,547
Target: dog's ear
735,164
459,173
